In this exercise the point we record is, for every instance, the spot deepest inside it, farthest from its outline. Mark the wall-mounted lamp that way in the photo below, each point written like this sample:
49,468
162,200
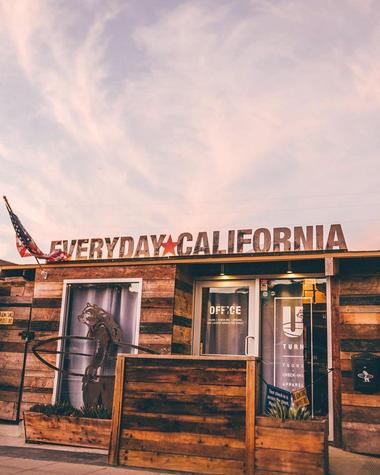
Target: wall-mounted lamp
221,269
290,270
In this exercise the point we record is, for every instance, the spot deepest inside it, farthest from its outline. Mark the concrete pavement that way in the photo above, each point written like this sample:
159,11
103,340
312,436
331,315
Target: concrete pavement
16,457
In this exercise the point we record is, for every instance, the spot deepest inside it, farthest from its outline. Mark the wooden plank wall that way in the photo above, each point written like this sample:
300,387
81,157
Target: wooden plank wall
296,447
157,296
183,311
359,332
182,414
16,295
156,323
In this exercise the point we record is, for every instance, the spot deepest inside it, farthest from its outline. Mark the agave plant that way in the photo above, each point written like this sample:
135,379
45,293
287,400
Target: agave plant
299,413
96,412
64,408
280,411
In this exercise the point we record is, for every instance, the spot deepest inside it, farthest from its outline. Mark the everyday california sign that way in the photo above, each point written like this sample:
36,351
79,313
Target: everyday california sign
242,241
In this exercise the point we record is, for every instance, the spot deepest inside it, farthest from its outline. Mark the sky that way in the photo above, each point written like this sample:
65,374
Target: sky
162,116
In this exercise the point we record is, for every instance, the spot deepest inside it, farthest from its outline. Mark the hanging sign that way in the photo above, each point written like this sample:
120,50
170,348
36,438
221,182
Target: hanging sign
274,394
242,241
6,318
300,398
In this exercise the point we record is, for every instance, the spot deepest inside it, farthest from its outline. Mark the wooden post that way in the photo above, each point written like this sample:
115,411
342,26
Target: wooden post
117,409
250,415
331,266
337,375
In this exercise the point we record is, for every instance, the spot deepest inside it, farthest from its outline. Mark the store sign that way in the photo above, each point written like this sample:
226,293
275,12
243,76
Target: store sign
6,318
274,394
300,398
224,320
289,341
242,241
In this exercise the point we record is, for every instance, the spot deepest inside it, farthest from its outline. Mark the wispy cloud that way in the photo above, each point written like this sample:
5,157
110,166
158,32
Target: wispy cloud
130,116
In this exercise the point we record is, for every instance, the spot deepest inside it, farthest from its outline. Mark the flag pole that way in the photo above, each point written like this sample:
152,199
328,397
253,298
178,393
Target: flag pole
7,205
44,274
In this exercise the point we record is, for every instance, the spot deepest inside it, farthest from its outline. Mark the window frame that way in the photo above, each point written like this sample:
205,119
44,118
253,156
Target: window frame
64,315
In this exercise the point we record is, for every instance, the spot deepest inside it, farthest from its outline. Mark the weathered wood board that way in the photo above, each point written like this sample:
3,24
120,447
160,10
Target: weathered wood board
183,413
67,430
183,311
198,414
359,331
17,295
296,447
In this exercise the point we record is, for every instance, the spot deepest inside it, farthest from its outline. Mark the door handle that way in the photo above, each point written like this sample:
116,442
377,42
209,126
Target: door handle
246,343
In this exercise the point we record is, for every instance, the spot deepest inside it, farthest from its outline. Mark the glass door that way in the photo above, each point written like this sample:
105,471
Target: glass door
294,337
225,322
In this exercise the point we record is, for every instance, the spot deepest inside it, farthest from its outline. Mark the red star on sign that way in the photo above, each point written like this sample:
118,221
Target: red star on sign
169,246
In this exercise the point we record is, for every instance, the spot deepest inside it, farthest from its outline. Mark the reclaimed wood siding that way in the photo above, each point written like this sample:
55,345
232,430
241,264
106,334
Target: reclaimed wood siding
294,447
359,332
156,303
185,415
16,295
67,430
183,312
46,298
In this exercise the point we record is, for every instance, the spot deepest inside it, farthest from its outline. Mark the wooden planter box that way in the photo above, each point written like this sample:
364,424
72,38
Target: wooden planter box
297,447
67,430
197,414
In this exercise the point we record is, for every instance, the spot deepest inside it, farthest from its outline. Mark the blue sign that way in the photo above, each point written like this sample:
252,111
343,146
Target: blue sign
276,394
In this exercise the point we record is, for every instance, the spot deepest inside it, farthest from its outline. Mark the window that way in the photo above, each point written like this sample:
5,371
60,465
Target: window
294,337
108,312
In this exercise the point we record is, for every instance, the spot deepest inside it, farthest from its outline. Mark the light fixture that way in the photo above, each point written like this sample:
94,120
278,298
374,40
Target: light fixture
221,269
289,271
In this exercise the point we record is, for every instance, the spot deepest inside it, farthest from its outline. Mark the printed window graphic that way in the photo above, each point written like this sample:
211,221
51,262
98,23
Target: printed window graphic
294,337
289,345
224,320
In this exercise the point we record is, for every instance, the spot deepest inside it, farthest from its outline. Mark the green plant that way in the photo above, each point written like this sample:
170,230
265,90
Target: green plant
96,412
64,408
299,414
280,411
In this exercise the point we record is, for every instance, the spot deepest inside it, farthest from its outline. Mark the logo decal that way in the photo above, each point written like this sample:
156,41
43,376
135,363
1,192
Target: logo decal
365,376
292,321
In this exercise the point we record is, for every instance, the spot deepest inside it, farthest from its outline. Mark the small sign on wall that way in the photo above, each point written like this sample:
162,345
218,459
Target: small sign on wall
276,394
300,398
7,317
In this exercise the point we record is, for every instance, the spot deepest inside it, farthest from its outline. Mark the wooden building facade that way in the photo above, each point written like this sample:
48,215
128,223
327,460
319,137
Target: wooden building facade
240,295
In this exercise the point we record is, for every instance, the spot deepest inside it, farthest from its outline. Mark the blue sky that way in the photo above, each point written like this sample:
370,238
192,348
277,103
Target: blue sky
149,116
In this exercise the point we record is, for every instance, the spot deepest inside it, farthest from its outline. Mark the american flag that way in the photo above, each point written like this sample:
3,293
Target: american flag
26,245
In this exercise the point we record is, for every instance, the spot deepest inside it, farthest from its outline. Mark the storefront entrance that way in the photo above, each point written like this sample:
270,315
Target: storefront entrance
294,337
283,321
227,318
